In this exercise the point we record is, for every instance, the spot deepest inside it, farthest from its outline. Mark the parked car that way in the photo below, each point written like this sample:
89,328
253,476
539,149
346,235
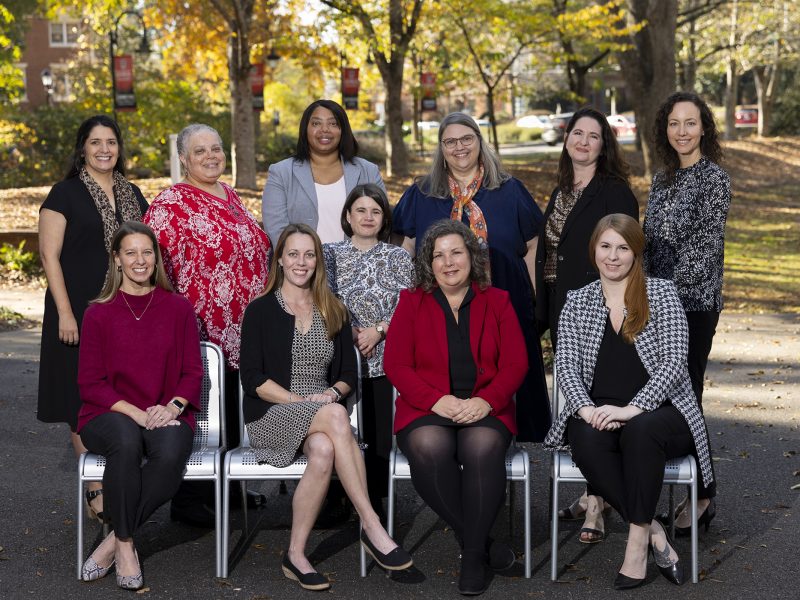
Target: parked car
533,122
623,126
555,133
428,124
747,115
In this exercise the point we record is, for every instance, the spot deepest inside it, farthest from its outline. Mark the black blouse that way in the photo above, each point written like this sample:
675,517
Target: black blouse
463,372
619,373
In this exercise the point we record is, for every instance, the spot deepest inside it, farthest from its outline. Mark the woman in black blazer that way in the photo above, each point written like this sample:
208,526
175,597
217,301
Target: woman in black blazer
592,183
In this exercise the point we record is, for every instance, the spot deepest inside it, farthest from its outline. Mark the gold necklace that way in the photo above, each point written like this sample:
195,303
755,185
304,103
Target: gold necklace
304,320
139,318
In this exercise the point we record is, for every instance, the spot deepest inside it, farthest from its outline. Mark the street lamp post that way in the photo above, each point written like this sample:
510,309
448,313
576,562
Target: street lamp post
113,37
47,82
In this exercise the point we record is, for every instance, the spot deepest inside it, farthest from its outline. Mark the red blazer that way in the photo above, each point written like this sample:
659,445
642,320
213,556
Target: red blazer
416,354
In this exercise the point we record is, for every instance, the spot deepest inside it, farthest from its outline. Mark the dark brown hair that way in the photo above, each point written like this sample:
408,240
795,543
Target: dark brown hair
479,258
348,146
370,190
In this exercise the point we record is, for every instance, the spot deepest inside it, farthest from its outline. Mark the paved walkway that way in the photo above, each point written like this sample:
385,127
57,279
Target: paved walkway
752,403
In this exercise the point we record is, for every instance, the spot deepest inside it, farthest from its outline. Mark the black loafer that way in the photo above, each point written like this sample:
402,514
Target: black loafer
308,581
396,560
474,578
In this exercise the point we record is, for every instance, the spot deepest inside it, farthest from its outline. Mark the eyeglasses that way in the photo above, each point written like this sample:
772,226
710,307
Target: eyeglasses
466,141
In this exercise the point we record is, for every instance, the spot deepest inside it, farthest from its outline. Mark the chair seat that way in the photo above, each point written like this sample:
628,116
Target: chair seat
517,464
243,464
203,463
677,470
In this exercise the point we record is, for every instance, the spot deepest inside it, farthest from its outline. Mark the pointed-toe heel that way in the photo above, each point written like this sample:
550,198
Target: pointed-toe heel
703,521
623,582
91,571
672,571
130,582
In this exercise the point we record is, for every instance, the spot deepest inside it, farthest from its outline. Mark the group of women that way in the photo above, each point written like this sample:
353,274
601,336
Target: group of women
450,317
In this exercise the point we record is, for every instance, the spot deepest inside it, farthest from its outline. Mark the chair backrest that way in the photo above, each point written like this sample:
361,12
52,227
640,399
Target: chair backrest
209,432
353,407
557,399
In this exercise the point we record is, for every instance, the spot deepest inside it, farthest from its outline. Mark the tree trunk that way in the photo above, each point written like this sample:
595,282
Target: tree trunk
764,78
396,152
243,144
492,124
649,67
732,76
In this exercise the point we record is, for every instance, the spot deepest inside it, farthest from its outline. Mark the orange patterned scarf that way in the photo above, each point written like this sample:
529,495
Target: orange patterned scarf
463,203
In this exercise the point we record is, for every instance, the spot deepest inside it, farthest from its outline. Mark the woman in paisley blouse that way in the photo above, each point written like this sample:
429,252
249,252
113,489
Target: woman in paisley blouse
215,255
367,275
685,229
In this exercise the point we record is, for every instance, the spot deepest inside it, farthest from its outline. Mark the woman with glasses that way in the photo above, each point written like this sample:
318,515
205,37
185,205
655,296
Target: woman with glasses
467,183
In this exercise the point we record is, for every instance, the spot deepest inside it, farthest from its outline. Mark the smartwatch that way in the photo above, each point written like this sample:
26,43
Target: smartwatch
179,405
381,330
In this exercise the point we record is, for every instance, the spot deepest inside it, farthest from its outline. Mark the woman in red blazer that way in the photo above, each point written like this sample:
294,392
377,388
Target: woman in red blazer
456,355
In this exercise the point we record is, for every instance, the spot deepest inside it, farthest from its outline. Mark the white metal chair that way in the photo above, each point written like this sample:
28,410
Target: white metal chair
518,468
241,465
204,463
677,471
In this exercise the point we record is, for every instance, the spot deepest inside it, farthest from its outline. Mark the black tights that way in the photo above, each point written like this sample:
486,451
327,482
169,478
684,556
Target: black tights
459,471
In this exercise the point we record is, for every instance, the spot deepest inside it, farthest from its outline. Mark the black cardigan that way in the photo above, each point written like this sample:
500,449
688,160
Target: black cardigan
266,353
603,196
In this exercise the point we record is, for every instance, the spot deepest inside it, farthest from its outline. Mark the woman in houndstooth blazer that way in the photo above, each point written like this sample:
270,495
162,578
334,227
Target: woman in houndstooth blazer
621,364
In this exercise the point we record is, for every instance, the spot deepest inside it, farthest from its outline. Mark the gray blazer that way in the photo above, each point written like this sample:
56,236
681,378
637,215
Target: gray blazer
290,196
662,347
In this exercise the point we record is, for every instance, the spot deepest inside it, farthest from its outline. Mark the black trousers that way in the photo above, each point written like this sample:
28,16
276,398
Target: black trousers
376,411
133,490
626,466
702,327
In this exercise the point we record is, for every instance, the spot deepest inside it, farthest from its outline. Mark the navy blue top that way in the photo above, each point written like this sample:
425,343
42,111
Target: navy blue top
512,220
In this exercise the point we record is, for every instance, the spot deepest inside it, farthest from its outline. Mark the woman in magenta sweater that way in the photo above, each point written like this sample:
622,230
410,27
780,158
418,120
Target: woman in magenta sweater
139,375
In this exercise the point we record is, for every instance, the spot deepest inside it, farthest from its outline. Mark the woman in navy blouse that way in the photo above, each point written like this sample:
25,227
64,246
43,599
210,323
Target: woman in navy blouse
467,183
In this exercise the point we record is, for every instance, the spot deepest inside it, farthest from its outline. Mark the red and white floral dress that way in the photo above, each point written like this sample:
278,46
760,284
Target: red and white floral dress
215,254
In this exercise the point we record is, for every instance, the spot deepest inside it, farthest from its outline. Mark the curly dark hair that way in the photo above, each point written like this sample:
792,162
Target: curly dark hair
610,163
479,258
709,142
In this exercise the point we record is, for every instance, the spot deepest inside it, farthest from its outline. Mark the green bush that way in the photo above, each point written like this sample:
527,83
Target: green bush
509,133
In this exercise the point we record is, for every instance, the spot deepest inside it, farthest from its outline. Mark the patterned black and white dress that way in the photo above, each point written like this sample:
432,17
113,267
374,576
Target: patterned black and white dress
277,436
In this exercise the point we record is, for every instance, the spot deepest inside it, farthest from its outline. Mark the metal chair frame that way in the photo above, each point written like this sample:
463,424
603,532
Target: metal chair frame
241,465
678,471
205,461
518,468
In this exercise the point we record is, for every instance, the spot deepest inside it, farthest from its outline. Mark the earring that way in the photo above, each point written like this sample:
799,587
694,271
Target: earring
119,269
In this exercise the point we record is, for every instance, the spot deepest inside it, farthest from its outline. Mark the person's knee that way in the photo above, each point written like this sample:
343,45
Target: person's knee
638,433
320,452
337,418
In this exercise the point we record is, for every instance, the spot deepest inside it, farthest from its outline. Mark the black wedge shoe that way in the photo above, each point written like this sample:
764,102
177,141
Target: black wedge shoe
396,560
308,581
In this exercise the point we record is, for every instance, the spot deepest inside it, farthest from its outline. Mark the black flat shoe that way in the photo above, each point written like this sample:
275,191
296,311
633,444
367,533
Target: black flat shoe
623,582
474,578
672,571
501,556
396,560
308,581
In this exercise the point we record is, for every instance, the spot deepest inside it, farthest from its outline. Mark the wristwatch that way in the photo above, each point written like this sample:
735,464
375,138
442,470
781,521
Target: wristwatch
179,405
381,330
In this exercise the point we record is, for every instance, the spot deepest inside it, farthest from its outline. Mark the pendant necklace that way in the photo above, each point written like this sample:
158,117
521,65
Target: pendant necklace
139,318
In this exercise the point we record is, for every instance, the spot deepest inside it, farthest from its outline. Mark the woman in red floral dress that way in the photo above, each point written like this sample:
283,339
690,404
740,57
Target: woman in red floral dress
215,255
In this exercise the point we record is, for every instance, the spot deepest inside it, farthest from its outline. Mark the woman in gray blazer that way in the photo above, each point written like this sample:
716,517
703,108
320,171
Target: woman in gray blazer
311,186
621,363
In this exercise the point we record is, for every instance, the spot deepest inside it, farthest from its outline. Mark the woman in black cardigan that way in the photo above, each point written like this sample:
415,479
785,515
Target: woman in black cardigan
592,183
297,367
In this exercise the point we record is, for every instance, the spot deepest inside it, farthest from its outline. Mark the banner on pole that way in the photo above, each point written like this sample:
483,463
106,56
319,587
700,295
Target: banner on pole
124,98
427,82
257,86
350,88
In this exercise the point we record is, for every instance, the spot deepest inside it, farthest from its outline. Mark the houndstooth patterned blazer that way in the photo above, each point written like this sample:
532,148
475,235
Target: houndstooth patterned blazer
662,347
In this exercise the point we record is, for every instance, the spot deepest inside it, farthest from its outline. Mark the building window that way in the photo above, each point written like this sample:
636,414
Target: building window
23,69
64,33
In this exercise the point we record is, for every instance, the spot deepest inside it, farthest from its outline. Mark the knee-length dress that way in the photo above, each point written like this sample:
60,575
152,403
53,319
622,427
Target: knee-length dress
315,362
84,262
512,220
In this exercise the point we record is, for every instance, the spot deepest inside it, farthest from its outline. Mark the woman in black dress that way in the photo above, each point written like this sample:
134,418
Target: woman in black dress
77,222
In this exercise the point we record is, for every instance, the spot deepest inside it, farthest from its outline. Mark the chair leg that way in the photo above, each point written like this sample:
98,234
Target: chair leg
671,510
390,503
218,516
510,497
554,532
527,483
693,500
79,558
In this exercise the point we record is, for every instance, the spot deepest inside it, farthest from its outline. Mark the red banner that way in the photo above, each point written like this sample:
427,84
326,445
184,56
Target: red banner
427,82
350,88
257,86
124,98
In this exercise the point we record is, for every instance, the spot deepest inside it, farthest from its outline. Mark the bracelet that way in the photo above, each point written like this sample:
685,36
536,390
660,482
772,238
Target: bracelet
336,392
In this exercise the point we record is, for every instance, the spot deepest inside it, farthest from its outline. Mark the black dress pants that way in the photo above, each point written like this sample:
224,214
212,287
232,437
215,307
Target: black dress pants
702,327
133,490
626,466
376,411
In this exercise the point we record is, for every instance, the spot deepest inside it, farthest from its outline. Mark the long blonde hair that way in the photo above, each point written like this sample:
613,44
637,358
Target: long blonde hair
636,301
114,275
333,311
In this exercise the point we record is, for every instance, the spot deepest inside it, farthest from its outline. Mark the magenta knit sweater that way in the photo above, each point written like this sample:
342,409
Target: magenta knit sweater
145,362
